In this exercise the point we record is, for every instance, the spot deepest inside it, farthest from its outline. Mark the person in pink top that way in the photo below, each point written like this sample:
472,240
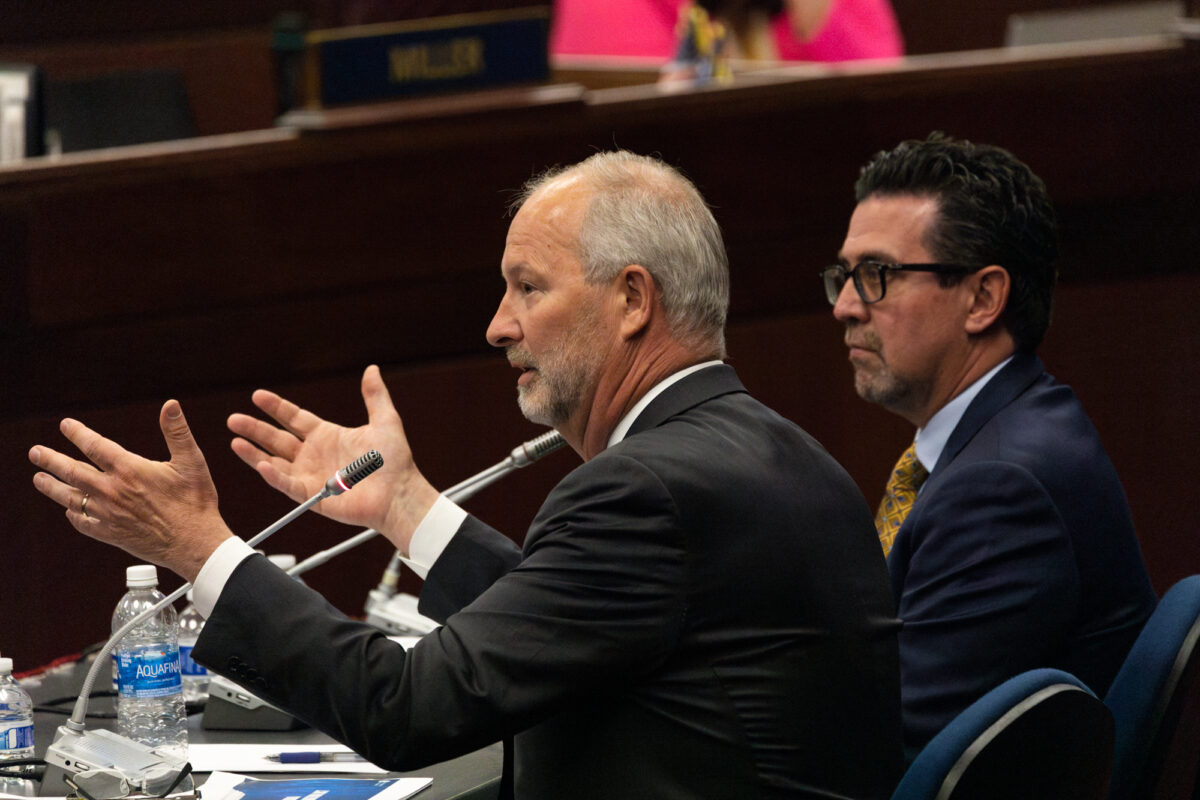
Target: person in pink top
806,30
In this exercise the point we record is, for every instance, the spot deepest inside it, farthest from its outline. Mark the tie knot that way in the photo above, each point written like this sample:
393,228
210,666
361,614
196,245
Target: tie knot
909,472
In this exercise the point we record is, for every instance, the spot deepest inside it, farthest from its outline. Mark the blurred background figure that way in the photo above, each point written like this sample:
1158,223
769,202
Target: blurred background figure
790,30
702,48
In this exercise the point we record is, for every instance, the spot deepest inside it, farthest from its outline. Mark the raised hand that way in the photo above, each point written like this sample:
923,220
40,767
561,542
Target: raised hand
164,512
302,451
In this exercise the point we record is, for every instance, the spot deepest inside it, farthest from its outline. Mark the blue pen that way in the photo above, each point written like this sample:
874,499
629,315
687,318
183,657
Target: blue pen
313,757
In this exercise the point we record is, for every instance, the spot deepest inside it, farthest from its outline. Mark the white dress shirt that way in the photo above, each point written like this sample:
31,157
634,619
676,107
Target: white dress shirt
931,439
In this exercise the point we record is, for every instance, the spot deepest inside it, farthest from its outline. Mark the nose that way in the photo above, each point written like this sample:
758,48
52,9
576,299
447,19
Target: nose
849,305
503,330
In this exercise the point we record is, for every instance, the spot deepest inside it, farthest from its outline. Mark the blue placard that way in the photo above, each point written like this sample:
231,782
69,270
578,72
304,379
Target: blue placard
408,62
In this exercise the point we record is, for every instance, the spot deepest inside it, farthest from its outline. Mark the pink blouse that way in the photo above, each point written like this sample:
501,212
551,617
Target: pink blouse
855,29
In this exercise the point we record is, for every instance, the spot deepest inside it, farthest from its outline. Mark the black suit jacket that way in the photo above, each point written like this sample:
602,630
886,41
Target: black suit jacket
699,611
1019,553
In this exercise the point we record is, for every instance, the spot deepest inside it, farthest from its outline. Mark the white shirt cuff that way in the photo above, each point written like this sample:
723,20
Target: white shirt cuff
210,582
432,535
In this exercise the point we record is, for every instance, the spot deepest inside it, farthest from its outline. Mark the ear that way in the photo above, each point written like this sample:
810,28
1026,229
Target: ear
639,299
991,286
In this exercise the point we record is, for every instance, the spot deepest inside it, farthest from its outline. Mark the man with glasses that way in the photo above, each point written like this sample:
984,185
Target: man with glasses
1009,540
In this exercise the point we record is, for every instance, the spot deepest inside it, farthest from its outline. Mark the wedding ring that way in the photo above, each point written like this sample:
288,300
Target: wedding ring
83,505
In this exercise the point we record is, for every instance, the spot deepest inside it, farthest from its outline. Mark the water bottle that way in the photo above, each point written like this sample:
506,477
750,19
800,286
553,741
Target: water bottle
195,676
150,706
16,720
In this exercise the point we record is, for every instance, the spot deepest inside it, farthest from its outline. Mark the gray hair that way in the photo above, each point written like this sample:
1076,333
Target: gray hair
646,212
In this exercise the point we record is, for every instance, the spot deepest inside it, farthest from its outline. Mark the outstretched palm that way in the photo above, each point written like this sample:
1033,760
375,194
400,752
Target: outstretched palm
304,451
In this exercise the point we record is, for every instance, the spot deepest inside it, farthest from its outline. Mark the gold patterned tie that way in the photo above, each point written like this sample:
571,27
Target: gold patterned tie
898,498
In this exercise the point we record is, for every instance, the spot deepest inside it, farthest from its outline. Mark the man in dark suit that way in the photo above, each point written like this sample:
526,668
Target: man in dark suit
699,610
1019,550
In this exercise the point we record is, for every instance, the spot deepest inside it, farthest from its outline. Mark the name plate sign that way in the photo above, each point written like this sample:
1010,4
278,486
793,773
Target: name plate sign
343,66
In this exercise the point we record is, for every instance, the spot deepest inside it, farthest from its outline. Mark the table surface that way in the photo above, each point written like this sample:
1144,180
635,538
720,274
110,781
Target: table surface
474,775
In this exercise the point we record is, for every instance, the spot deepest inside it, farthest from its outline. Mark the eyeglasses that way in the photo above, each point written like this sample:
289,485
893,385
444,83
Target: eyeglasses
870,277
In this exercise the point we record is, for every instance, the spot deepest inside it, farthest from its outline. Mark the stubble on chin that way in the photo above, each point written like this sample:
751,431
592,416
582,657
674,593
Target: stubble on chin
527,400
549,401
877,385
563,376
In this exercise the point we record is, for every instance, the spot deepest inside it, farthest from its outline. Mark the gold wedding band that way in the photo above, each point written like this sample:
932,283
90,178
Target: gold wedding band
83,505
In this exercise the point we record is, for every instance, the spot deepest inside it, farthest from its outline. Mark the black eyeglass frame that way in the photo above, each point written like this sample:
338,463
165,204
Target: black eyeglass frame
853,274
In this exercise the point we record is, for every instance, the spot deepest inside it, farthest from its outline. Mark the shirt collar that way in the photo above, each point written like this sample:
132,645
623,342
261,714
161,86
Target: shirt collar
631,416
932,438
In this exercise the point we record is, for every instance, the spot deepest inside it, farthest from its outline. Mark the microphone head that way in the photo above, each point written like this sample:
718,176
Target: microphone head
529,452
355,471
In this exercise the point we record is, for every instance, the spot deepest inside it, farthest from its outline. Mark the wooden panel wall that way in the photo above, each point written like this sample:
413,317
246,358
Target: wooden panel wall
291,259
221,48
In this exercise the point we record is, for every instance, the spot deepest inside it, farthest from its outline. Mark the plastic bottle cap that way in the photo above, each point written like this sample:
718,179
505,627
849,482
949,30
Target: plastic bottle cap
5,666
141,575
284,561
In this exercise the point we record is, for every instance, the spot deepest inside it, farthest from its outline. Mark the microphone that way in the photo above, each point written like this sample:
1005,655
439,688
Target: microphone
522,455
102,765
397,615
354,472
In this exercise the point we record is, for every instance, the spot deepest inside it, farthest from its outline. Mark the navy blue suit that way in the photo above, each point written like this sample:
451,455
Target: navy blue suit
700,611
1019,553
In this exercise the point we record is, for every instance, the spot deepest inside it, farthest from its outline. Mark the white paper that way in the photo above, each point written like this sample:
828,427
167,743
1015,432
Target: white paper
253,758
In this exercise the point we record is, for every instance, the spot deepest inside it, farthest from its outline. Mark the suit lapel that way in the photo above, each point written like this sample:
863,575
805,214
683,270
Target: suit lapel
1008,384
689,392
